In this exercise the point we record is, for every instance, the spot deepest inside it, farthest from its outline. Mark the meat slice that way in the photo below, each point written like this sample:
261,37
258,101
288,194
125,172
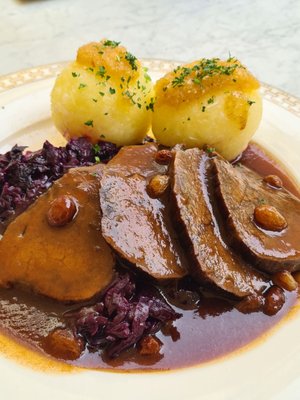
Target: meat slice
240,192
70,262
136,225
211,259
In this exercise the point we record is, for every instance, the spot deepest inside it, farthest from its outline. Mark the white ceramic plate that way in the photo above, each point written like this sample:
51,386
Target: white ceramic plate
269,368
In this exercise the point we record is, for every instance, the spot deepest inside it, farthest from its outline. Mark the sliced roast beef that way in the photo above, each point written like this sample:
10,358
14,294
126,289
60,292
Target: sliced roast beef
243,195
211,259
55,247
135,224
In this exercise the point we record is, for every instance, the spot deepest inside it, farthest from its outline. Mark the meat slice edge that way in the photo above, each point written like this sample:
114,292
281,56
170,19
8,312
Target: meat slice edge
240,190
211,258
135,225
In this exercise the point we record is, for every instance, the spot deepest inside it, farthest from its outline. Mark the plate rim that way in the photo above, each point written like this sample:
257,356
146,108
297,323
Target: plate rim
25,76
185,377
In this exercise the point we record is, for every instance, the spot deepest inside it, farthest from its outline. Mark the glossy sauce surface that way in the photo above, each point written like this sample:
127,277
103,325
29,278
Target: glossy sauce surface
210,326
257,159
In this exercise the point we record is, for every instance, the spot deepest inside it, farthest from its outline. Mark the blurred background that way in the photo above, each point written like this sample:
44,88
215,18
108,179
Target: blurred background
264,35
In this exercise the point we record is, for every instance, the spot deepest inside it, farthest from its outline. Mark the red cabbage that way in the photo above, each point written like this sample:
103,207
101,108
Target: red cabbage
122,316
26,175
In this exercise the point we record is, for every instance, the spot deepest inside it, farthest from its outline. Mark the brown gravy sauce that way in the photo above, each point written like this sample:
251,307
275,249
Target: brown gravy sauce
258,159
210,326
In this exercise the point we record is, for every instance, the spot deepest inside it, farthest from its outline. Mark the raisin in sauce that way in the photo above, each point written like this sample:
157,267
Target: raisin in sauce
209,327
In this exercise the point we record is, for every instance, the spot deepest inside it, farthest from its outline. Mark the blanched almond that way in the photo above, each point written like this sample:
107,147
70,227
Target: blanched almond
251,303
274,181
62,210
62,344
158,185
149,345
285,280
274,300
269,218
164,157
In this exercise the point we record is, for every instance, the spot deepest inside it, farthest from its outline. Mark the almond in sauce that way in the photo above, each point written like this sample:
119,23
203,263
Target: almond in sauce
164,157
62,211
157,185
273,181
274,300
269,218
285,280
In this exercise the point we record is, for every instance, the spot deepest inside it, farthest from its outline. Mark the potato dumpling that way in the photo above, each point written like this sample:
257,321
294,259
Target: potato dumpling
208,102
105,95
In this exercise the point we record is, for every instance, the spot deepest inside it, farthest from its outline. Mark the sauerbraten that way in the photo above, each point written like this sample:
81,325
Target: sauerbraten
159,236
156,259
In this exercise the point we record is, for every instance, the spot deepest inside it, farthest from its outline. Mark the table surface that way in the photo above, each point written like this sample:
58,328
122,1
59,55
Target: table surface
264,35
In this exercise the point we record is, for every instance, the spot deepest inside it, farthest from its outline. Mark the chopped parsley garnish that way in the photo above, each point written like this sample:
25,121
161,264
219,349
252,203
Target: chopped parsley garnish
130,96
97,159
179,80
96,148
205,68
231,58
90,122
132,60
101,71
95,100
150,106
106,113
250,102
101,93
75,74
146,75
102,136
112,91
203,108
82,85
261,201
210,149
111,43
91,69
211,100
